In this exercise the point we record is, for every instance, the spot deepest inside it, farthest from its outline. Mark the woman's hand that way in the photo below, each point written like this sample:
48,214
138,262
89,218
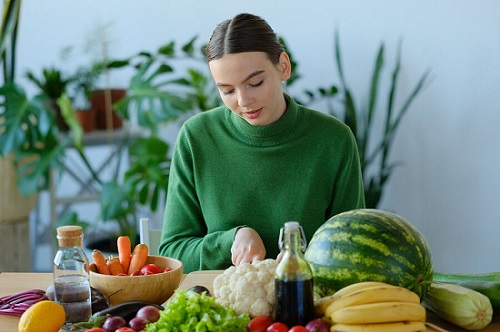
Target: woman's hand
247,247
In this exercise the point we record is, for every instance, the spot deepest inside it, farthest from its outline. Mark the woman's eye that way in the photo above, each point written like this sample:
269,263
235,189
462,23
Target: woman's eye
225,93
257,84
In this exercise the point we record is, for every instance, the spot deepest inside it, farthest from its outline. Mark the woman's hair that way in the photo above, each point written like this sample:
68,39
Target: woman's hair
244,33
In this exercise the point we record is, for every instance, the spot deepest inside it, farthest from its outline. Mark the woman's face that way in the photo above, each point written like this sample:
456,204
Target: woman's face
250,85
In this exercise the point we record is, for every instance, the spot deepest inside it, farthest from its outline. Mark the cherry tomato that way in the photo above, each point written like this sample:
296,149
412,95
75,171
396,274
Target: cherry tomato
168,269
277,327
125,329
259,323
150,269
298,328
96,329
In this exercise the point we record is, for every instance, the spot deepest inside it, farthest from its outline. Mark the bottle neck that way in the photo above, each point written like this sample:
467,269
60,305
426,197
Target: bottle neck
293,241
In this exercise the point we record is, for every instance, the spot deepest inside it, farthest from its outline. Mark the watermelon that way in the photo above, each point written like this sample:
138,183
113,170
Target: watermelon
369,245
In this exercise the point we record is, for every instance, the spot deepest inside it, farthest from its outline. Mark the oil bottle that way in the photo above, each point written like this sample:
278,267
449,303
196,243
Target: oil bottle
293,279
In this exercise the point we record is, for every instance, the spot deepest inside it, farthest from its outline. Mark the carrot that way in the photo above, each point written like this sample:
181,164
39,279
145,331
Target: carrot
124,248
138,258
100,261
114,266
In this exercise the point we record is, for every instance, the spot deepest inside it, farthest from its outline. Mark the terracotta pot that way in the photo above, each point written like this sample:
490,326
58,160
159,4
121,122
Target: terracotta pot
87,119
101,101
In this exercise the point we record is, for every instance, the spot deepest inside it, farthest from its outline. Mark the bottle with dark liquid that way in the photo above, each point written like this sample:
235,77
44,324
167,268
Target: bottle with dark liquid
293,279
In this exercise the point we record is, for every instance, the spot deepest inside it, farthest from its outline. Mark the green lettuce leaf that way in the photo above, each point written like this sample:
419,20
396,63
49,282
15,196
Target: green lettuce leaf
188,311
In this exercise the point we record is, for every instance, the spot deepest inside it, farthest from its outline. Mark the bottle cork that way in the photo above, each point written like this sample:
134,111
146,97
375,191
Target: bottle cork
69,236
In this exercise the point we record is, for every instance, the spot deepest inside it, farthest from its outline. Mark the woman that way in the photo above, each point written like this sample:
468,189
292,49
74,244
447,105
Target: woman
240,171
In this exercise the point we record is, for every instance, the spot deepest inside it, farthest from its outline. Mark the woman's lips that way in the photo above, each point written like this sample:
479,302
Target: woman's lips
252,114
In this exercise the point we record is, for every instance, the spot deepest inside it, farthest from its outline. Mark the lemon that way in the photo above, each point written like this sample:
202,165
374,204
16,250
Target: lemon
43,316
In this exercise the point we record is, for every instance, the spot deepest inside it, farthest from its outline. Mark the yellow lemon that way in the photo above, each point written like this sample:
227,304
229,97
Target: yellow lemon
43,316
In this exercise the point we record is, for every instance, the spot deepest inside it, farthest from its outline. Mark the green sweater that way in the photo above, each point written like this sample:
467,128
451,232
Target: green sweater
227,173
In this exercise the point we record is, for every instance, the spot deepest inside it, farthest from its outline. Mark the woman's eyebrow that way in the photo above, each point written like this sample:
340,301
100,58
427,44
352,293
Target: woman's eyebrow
255,73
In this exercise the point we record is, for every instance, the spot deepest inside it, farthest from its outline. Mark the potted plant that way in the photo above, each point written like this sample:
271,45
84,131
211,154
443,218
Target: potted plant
28,138
150,98
361,120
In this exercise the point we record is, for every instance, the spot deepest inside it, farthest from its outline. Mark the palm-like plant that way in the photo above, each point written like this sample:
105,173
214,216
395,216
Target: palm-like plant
8,38
361,120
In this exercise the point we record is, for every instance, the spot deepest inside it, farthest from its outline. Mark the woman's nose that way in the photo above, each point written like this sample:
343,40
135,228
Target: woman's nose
244,99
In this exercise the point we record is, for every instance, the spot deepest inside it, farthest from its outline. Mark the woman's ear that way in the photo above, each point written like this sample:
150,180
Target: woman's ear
285,66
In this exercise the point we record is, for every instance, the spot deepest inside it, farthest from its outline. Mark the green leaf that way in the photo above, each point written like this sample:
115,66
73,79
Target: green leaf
115,201
168,49
70,118
188,48
149,169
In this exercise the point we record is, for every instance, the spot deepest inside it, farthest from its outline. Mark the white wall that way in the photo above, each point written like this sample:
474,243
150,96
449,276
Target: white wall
448,183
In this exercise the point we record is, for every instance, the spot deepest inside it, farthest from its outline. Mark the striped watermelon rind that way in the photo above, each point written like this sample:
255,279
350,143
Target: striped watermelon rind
369,245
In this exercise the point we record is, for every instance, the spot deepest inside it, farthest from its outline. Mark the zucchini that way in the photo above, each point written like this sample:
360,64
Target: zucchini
456,277
486,284
461,306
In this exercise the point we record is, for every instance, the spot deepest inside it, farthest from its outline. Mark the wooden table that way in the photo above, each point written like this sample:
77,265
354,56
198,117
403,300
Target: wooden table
12,283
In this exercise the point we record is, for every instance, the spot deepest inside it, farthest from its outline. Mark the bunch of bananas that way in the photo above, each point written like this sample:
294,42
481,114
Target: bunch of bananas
373,307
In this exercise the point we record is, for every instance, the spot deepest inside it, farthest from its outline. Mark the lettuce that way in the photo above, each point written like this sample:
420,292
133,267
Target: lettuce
188,311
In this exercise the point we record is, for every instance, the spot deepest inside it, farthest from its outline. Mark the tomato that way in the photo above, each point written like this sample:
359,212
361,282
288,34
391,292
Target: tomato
96,329
298,328
259,323
151,269
125,329
277,327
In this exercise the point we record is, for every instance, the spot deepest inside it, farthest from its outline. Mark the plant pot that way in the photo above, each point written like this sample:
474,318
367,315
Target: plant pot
13,204
87,119
101,102
15,249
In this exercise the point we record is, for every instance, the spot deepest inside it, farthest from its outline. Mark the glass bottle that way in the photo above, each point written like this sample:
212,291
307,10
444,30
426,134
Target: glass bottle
293,279
71,275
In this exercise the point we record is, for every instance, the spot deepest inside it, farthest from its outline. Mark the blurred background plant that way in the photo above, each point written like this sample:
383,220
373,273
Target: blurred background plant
374,148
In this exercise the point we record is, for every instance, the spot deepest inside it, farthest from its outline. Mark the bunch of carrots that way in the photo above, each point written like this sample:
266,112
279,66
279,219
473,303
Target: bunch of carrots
128,262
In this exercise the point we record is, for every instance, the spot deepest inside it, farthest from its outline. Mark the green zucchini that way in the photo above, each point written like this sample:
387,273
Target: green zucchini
486,284
456,277
461,306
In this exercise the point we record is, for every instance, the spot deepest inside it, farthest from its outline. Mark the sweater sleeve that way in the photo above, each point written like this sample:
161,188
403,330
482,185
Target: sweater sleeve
184,233
349,192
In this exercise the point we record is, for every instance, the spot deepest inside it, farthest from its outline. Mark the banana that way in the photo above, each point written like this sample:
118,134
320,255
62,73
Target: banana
323,303
384,293
381,312
381,327
356,287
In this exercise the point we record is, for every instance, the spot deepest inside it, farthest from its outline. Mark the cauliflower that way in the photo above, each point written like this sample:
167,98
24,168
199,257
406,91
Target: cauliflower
247,288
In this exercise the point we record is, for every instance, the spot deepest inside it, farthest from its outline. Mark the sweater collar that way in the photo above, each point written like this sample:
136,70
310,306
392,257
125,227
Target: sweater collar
268,133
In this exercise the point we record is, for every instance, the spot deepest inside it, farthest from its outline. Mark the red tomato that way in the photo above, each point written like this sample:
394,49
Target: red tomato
259,323
96,329
277,327
298,328
125,329
151,269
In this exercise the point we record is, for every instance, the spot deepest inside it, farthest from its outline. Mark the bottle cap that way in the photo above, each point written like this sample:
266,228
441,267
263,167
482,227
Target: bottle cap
69,236
292,225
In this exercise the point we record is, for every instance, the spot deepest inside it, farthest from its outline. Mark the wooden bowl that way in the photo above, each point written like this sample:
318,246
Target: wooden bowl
156,288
